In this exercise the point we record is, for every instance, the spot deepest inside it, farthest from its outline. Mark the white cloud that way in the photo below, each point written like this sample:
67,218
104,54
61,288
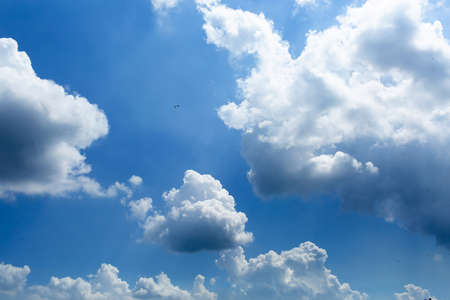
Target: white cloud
162,288
164,5
201,215
43,130
303,3
299,273
135,180
12,279
140,208
414,293
357,114
104,285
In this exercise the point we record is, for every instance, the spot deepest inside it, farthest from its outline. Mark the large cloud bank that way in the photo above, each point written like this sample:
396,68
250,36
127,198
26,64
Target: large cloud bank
200,215
299,273
104,285
43,131
362,113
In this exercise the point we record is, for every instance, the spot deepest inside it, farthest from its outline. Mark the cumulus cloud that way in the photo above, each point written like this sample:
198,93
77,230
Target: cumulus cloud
299,273
135,180
162,288
414,292
12,279
104,285
140,208
362,113
200,215
43,130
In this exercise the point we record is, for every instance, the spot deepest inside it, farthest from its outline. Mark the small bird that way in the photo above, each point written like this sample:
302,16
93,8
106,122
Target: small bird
176,106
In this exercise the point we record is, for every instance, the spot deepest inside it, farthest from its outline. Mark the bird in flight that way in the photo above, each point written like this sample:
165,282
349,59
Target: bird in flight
176,106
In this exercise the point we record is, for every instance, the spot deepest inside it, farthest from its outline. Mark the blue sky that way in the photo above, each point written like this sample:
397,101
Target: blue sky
381,226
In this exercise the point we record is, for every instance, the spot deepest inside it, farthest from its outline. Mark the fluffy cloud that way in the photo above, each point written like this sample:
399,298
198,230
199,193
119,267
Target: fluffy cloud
201,215
43,130
299,273
140,208
104,285
414,293
162,288
135,180
12,279
362,113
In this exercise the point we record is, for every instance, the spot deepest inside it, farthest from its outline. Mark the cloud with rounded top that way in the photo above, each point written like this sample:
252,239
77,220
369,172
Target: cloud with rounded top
200,215
105,284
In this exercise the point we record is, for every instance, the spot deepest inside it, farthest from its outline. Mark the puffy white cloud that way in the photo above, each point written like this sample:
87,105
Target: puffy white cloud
104,285
414,292
135,180
162,288
201,215
43,130
12,279
362,113
140,208
299,273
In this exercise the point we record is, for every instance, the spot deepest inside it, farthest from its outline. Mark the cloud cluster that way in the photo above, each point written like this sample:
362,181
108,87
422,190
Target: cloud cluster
362,113
200,215
104,285
12,279
43,130
414,292
299,273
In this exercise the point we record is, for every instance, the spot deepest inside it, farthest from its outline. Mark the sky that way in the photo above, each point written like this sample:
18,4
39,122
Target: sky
224,149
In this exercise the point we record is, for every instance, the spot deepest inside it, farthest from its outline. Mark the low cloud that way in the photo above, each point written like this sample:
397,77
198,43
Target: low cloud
103,285
414,292
200,215
12,279
299,273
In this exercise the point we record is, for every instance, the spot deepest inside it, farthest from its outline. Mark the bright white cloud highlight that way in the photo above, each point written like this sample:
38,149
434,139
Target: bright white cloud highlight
303,3
43,130
361,113
200,215
164,5
299,273
104,285
135,180
414,292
